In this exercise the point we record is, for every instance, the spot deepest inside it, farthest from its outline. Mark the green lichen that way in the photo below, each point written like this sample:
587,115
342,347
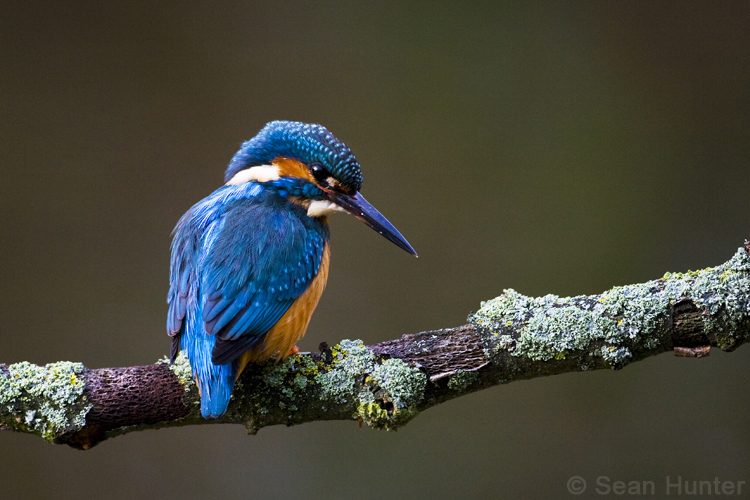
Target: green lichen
45,400
279,390
374,414
385,393
403,384
351,360
615,356
348,379
183,372
611,325
300,381
277,377
462,380
181,368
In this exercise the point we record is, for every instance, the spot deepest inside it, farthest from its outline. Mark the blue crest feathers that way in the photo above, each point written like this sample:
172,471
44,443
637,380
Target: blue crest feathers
310,143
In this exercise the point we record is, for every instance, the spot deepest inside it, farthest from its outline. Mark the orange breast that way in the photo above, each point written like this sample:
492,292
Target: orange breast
282,337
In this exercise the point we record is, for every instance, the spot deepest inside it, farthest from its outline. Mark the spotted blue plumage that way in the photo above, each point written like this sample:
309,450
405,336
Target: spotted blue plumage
310,143
244,255
240,258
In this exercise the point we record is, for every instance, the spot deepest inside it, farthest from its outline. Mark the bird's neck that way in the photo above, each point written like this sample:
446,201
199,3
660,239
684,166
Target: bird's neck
279,168
291,180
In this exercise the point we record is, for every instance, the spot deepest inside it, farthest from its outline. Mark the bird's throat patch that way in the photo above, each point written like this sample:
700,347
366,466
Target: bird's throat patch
320,208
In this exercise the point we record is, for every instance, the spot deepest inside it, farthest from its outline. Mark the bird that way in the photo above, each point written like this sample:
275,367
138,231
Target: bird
250,261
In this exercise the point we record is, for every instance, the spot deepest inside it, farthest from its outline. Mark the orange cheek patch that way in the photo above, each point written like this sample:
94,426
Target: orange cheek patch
292,168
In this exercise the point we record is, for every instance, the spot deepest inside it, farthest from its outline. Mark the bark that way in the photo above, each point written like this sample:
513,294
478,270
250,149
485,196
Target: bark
511,337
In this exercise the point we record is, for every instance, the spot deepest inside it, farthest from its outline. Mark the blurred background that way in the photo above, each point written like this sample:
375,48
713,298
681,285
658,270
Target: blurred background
549,147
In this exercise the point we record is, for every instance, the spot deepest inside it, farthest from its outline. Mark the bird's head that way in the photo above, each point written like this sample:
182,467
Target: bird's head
307,164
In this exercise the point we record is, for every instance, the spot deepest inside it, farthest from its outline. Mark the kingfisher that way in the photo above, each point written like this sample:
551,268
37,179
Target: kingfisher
250,262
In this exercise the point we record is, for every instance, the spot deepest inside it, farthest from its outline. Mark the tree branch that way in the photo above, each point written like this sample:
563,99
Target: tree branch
511,337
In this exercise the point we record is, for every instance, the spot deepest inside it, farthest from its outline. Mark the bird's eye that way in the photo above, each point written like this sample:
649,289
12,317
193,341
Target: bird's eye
320,173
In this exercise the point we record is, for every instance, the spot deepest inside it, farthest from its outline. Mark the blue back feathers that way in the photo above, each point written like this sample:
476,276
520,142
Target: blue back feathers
240,258
312,144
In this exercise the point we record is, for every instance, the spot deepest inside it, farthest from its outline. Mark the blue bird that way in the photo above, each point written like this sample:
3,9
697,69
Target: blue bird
250,262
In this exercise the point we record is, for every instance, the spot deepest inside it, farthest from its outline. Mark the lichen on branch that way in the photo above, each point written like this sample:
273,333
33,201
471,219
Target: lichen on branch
621,324
346,381
385,385
44,400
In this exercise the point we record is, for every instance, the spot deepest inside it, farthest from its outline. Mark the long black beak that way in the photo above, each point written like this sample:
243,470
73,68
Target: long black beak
362,210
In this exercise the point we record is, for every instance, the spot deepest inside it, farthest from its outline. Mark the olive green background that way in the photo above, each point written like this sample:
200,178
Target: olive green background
549,147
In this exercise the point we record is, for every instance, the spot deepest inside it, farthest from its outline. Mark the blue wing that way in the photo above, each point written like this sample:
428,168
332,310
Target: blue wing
263,257
182,276
252,258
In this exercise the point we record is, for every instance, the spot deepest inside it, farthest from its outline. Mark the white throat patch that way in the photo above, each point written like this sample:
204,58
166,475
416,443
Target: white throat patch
319,208
262,173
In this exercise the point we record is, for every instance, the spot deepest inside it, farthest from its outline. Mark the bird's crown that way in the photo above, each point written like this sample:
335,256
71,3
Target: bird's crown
309,143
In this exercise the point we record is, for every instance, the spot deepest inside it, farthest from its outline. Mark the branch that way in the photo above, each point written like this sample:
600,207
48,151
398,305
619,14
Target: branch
385,385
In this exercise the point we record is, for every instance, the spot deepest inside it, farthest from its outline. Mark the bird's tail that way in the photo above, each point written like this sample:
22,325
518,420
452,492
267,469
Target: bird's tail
215,382
216,389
